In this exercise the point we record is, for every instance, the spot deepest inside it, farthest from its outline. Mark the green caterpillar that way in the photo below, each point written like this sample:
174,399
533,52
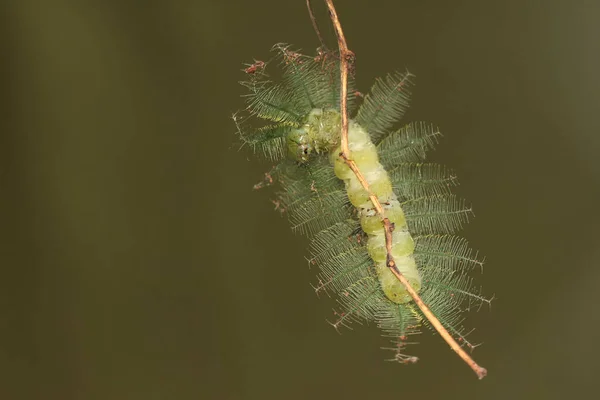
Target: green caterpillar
324,200
321,133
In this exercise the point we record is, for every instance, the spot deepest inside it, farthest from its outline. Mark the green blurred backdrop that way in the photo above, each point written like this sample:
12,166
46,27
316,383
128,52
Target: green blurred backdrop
137,263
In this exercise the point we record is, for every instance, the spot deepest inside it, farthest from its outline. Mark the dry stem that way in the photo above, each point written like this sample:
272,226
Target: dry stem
315,26
345,56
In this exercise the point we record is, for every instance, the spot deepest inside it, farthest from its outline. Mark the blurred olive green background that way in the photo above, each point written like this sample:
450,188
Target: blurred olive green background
137,263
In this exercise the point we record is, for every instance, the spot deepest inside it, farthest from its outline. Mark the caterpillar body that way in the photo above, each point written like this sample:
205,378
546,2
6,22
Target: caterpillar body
319,132
324,199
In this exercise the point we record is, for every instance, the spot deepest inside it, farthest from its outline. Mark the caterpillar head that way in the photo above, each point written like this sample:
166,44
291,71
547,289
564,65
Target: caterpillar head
320,133
299,145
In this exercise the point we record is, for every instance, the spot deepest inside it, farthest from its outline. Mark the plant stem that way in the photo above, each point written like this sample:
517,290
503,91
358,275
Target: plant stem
345,56
315,26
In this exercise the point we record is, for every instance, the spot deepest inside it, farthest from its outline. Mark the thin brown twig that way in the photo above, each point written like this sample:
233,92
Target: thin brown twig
315,26
345,56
